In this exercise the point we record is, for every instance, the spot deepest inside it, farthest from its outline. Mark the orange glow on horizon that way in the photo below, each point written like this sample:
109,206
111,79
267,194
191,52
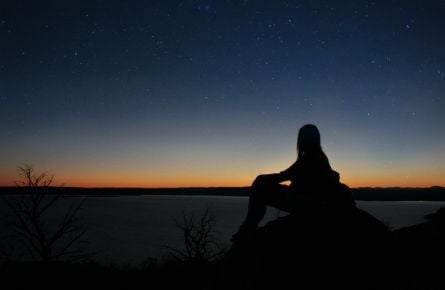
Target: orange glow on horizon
215,182
356,173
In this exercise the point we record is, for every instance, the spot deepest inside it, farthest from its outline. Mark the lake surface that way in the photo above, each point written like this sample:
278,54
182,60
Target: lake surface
128,230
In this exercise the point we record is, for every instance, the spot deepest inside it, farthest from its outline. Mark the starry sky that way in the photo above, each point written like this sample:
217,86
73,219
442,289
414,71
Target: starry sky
212,93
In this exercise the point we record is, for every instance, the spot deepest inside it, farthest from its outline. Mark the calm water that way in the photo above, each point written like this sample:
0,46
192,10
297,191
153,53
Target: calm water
127,230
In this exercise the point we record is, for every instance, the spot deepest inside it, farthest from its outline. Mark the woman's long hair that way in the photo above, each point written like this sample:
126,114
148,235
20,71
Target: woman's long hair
308,140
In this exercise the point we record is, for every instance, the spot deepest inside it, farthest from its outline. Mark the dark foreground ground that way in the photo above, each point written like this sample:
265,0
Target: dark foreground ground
348,252
92,275
328,251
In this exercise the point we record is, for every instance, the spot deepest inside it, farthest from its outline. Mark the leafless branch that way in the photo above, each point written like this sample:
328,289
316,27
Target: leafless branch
199,242
28,219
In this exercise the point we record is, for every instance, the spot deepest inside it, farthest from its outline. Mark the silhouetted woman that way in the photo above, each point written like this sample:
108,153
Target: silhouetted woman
314,185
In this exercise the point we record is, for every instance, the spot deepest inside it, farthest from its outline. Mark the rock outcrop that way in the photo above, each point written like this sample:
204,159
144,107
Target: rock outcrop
328,250
421,252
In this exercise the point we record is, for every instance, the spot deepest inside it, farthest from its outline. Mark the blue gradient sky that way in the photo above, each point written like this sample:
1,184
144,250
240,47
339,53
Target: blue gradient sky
212,93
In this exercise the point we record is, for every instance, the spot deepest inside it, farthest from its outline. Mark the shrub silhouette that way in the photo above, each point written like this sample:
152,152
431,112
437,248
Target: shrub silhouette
200,245
31,225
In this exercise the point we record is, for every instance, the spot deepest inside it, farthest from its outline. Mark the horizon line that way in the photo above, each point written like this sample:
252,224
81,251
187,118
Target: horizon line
206,187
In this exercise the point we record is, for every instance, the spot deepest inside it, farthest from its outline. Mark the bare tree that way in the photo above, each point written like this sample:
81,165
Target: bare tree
199,241
30,179
46,236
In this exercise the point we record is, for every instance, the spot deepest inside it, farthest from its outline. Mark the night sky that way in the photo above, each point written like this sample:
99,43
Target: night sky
212,93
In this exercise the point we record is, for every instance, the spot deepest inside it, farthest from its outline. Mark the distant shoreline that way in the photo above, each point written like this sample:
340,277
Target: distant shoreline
434,193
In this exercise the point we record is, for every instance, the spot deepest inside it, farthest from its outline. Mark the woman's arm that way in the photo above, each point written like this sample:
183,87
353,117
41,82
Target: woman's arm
288,174
273,178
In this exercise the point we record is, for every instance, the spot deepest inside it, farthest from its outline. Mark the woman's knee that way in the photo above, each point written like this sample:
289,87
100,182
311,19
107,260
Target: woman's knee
256,181
259,182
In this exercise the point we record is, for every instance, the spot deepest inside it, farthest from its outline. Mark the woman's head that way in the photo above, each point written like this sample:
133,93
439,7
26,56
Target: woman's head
308,139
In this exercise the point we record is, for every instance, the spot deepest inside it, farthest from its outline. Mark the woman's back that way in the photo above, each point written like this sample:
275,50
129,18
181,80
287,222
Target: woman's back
310,169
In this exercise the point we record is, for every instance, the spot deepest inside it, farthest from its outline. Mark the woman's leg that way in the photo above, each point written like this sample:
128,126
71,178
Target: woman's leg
265,191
